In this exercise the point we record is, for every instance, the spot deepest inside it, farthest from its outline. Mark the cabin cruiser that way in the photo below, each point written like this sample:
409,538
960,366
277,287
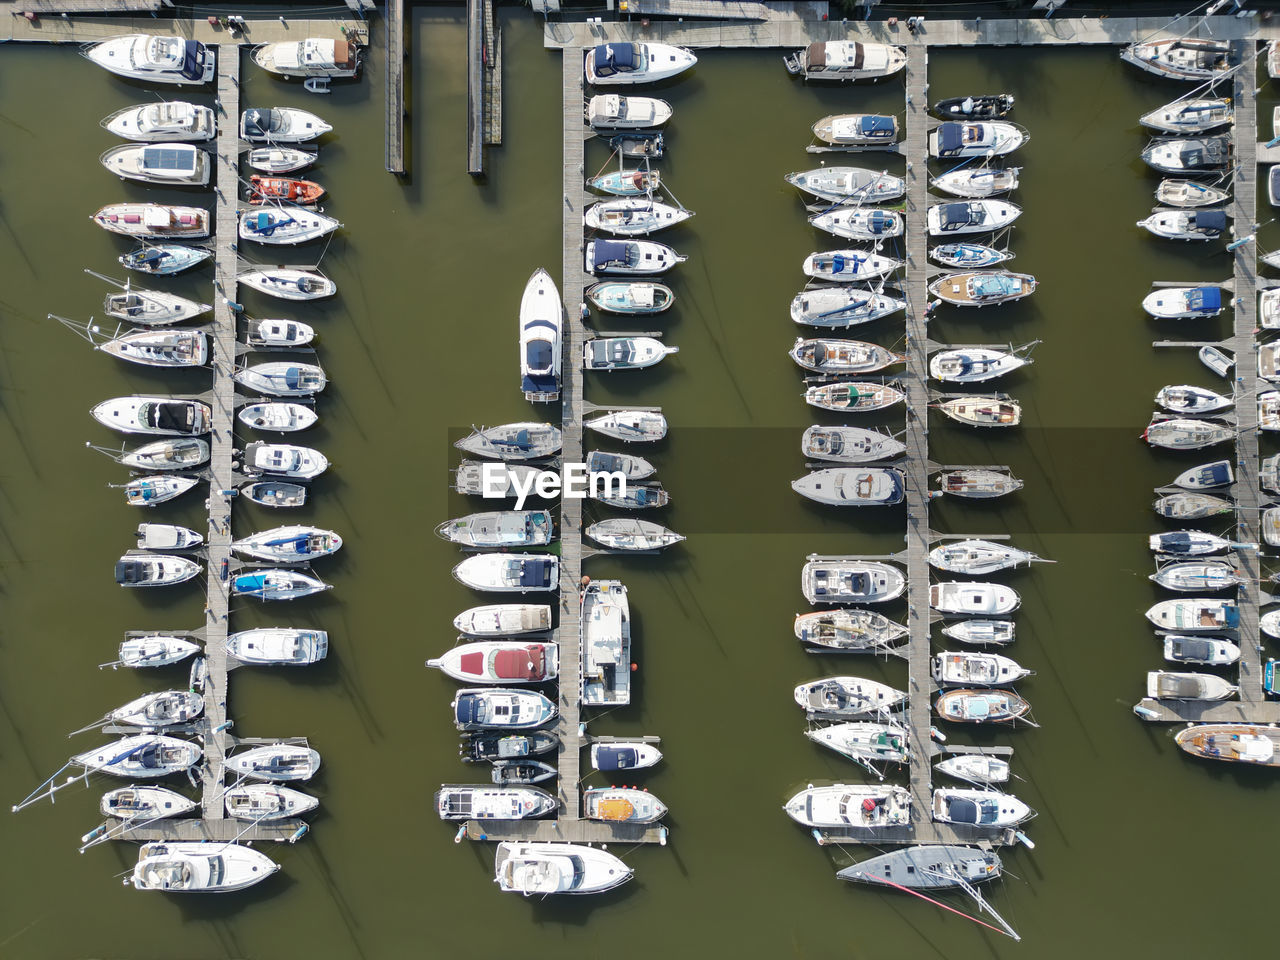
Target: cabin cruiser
978,484
1182,156
608,111
285,225
928,866
631,63
981,706
851,806
979,557
853,396
1206,651
504,619
623,353
499,529
610,755
630,426
978,808
978,182
962,669
851,581
475,802
630,466
975,768
984,138
1183,58
842,306
284,460
846,266
1189,543
967,599
277,416
847,697
542,336
498,745
857,129
150,491
160,348
1183,302
151,307
1185,398
981,631
982,288
279,646
852,486
288,283
265,802
206,866
980,411
633,216
1269,306
630,297
167,536
163,122
846,60
281,159
273,332
155,59
144,755
604,638
145,803
312,57
842,357
155,650
500,661
164,709
968,255
857,223
991,106
289,544
154,221
489,708
1246,743
283,378
1186,224
1190,193
974,364
1181,433
1196,115
626,533
849,444
276,762
622,805
971,216
174,163
277,585
1167,685
281,125
513,572
544,868
470,478
864,742
164,259
513,441
636,257
1196,615
162,416
1206,475
848,184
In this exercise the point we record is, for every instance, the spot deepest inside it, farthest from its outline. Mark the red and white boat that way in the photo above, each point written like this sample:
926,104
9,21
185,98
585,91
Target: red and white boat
283,189
500,661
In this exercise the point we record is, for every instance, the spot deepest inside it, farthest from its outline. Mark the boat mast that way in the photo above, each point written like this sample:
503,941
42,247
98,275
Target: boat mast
1007,931
951,873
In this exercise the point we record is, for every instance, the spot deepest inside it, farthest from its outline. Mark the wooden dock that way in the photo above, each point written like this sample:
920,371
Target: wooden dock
83,7
484,84
87,30
394,82
491,79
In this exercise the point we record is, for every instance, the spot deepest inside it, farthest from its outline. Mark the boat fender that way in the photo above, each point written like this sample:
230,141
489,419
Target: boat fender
817,835
634,668
1146,713
462,832
300,833
93,834
1025,840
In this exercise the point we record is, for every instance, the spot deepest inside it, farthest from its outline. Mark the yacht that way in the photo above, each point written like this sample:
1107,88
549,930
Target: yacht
151,308
980,411
1206,475
928,866
500,745
1180,156
512,441
967,599
312,57
1186,224
1247,743
272,332
277,416
475,802
611,755
608,111
1166,685
470,479
858,223
541,338
622,805
630,297
832,357
509,572
150,491
848,184
275,190
162,416
281,159
970,216
847,697
163,122
504,619
982,288
984,138
178,164
852,486
154,221
285,225
289,283
849,444
630,426
277,125
623,353
630,466
848,266
979,557
206,866
629,257
1190,543
846,60
284,460
1186,398
164,259
167,536
991,106
160,348
277,585
1195,615
1190,193
631,63
968,255
276,762
978,484
981,631
604,638
498,708
265,802
155,650
864,742
963,669
1196,115
979,808
289,544
634,496
633,216
848,630
974,364
851,581
1179,303
853,396
1181,433
845,806
1183,58
842,306
499,529
143,755
627,533
145,803
981,706
975,768
500,661
283,378
627,183
279,646
978,182
154,59
546,869
857,129
164,709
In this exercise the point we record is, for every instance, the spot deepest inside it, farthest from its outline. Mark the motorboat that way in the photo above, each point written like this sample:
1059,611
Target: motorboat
154,221
604,639
980,411
848,630
272,332
953,668
167,536
206,866
151,308
471,478
631,63
853,396
981,631
163,122
965,599
608,111
277,585
1269,360
521,771
1216,360
312,57
480,746
626,183
846,60
174,163
1270,523
848,266
512,441
863,742
182,454
1191,506
852,486
1196,115
1269,474
1184,398
1178,303
930,867
277,416
276,762
1195,615
1189,543
955,140
975,768
633,216
1188,156
631,467
979,557
160,348
1190,193
978,484
281,159
842,306
849,444
1206,475
289,544
541,339
265,802
281,125
851,806
154,59
143,755
622,805
285,225
1196,577
1182,58
988,107
970,216
1181,433
857,130
848,184
145,803
977,183
627,533
982,288
851,581
279,646
1248,743
1269,624
162,416
630,296
545,869
978,808
504,619
842,357
968,255
284,460
611,755
500,661
263,190
1186,224
1269,410
1168,685
155,650
981,706
499,529
975,364
623,353
164,709
499,708
630,257
1273,183
283,378
630,426
1269,309
859,223
637,144
513,572
150,491
164,259
289,283
486,802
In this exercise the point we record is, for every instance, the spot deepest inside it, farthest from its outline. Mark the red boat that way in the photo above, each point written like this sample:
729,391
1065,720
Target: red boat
273,189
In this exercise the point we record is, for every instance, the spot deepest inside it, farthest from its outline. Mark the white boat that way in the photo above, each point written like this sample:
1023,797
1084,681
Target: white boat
1270,624
277,416
630,297
160,348
285,225
1181,156
623,353
974,364
851,581
1182,58
180,454
1183,302
970,216
503,619
982,411
1186,224
277,584
622,805
312,57
153,221
1190,193
486,802
847,697
1206,476
1269,309
608,111
499,708
150,308
1216,360
1269,410
1273,59
525,440
274,332
978,484
982,288
604,638
265,802
978,808
629,257
199,867
968,255
1196,615
981,631
470,479
978,182
164,259
164,709
630,466
284,460
283,378
627,183
849,444
541,338
629,533
610,755
509,572
289,544
280,159
979,557
145,803
953,668
174,163
857,129
864,742
289,283
1196,115
546,869
279,646
851,806
846,60
277,762
842,306
973,599
166,536
857,223
276,125
155,650
1269,360
1196,577
500,661
1168,685
984,138
846,266
1190,543
154,570
500,529
633,216
630,425
848,630
144,755
1206,651
1181,433
1191,506
848,184
631,63
150,491
852,486
1185,398
163,122
975,768
856,396
154,59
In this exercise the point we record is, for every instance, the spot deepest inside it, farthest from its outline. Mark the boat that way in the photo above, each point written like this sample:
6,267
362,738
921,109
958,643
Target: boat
846,184
1190,193
283,378
963,669
970,216
1247,743
630,297
175,163
633,216
630,257
151,308
265,802
1269,410
626,183
988,107
1180,433
289,544
521,771
1206,651
1182,156
281,159
284,460
160,348
842,306
845,806
604,638
164,709
277,585
846,60
512,441
155,650
608,111
481,746
285,225
163,416
1269,361
847,266
627,533
509,572
1216,360
279,646
630,425
623,353
1184,398
928,866
1270,523
1186,224
289,283
848,631
629,466
153,221
852,486
276,125
182,454
1273,182
977,183
1269,308
277,762
978,808
145,803
545,869
842,357
500,661
1191,506
1192,577
978,484
143,755
853,396
163,122
849,444
283,190
979,557
638,144
312,57
277,416
154,59
503,619
541,339
164,259
199,866
982,288
150,491
1182,58
981,631
472,478
975,768
864,742
631,63
980,411
981,706
1168,685
166,536
278,333
1207,475
1196,115
622,805
499,708
499,529
1273,59
968,255
1195,615
1183,302
1189,543
1270,624
1269,474
610,755
857,130
954,140
974,364
858,223
965,599
485,802
851,581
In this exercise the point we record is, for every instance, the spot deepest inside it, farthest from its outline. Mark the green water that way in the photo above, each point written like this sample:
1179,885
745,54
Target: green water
421,341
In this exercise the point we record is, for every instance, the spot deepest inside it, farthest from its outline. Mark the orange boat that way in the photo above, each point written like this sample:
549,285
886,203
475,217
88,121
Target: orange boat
271,189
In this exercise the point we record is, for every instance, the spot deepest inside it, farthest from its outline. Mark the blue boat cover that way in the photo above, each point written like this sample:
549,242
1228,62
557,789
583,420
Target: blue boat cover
1231,616
608,253
535,573
537,354
293,377
879,221
468,708
962,811
193,60
950,137
1209,219
611,58
958,214
874,125
838,263
1205,299
996,285
1215,474
250,582
616,758
533,384
1176,542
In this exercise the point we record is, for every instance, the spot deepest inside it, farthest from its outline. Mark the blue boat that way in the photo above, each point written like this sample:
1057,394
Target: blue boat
968,255
276,585
164,259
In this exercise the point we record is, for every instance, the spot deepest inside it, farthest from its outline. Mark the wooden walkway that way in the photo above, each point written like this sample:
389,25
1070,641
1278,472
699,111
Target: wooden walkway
475,84
395,57
74,30
97,7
